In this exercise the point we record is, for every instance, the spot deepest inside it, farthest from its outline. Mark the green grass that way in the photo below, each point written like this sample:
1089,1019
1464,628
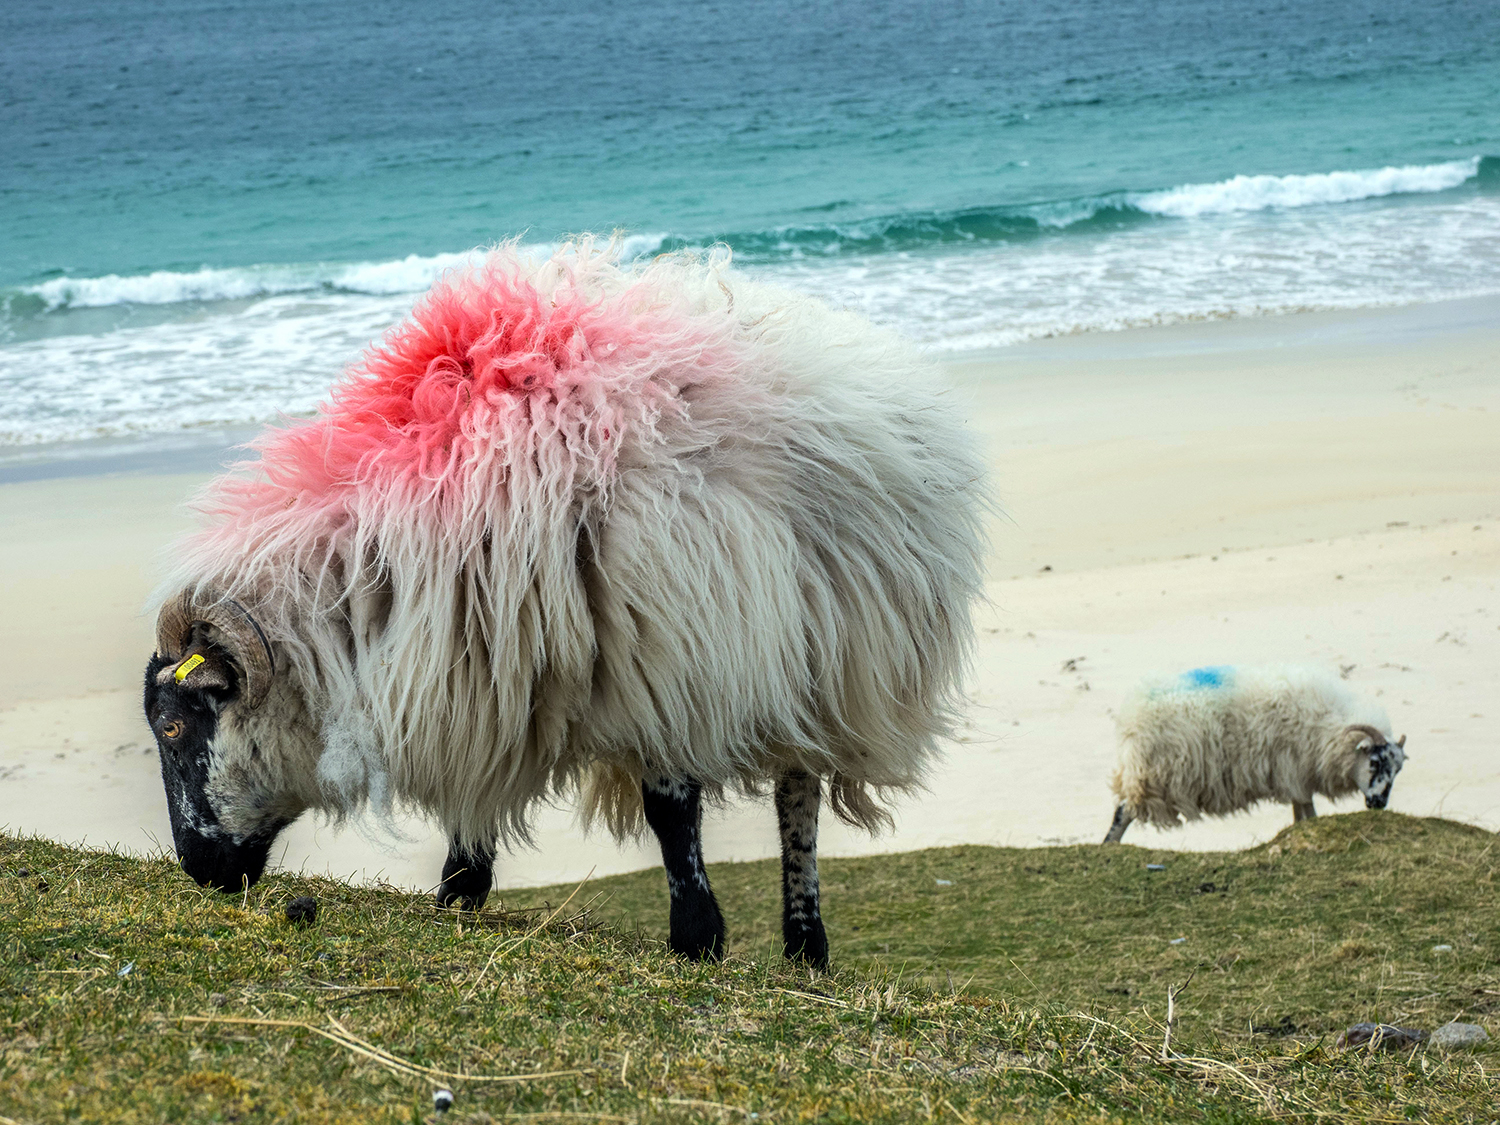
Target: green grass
1031,988
1332,923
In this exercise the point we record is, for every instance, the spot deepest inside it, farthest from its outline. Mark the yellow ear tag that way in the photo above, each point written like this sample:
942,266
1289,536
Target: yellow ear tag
185,669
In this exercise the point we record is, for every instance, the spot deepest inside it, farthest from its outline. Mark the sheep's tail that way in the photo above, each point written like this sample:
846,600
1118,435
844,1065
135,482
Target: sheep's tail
854,804
611,797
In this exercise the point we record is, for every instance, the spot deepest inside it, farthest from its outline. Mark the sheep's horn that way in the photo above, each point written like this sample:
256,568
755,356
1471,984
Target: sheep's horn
1362,728
247,641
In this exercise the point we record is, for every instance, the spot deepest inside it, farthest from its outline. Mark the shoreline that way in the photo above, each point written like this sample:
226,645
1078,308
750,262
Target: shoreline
1318,488
210,448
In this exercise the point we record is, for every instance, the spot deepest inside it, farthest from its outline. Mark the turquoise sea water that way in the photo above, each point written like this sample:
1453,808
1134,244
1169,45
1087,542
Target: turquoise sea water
206,210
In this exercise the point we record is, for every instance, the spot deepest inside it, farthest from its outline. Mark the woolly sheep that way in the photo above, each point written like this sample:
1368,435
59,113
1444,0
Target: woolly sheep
645,534
1216,740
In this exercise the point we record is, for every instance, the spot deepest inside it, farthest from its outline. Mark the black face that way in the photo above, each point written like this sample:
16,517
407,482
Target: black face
1383,769
184,718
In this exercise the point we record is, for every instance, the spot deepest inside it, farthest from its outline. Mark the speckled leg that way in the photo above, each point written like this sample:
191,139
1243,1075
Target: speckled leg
797,796
674,810
1117,828
1303,810
466,877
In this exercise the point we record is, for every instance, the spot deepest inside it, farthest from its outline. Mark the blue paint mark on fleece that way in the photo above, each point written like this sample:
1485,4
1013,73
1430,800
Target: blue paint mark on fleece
1213,677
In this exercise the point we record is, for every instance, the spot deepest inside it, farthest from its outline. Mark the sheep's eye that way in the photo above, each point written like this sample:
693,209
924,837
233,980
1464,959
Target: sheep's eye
171,729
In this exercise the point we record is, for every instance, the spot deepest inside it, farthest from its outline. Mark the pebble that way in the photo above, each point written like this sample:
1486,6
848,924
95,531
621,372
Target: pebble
302,911
1457,1036
1156,867
1391,1037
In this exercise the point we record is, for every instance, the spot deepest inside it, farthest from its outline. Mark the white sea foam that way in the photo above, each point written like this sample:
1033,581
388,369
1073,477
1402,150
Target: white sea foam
412,274
1257,193
1233,265
253,361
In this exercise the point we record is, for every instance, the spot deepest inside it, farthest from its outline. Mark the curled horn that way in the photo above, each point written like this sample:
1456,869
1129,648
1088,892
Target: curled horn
1361,728
247,641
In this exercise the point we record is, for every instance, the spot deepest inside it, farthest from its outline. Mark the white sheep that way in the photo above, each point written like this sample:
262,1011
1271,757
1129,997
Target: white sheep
1217,740
644,532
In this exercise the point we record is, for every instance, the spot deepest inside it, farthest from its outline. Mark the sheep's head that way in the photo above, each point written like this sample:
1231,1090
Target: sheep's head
1380,760
222,711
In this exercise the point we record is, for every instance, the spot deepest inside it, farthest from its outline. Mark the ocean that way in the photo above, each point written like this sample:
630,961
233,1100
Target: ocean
207,210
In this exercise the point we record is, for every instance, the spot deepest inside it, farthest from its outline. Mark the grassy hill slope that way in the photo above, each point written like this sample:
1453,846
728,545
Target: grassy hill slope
128,994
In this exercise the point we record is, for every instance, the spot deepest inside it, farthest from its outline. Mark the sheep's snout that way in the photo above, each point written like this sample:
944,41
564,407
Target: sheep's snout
220,864
1378,772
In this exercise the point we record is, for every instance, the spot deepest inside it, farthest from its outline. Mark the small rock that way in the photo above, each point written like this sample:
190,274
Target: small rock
1457,1036
25,871
945,882
217,999
1177,941
1442,949
1387,1037
442,1099
1156,867
302,911
1282,1027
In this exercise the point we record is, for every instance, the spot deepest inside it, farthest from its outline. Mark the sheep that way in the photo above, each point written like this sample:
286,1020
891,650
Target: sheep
1217,740
648,535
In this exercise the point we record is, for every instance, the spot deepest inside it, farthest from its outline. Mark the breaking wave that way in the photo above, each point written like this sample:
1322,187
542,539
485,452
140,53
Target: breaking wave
901,232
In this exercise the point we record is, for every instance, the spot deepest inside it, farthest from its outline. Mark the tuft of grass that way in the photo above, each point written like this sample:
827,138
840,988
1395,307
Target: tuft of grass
128,994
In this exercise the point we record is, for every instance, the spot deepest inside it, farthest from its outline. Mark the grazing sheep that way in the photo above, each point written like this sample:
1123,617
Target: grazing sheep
1217,740
649,534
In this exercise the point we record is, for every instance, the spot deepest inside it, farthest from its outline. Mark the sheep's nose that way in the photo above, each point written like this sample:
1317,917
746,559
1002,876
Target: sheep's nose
1376,800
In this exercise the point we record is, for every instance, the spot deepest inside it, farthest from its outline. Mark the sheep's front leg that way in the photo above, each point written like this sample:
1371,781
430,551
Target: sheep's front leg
467,875
797,796
1117,827
1303,810
674,810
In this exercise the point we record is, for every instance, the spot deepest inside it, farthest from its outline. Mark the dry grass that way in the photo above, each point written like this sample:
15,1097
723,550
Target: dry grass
229,1013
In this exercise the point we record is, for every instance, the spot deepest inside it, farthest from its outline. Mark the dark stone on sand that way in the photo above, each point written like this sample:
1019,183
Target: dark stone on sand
302,911
1386,1036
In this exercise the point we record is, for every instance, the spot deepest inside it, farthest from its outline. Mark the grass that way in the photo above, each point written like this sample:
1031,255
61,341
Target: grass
1030,986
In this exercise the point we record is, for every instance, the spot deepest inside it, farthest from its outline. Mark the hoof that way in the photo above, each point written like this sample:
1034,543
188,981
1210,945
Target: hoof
455,898
465,885
698,935
808,944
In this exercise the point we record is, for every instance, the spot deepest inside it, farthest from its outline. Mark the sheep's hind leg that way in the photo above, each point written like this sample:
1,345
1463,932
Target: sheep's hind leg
797,796
674,810
1117,828
467,876
1303,810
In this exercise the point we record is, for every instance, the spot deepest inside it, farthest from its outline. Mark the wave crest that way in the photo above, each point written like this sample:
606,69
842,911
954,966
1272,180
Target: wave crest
899,232
1259,193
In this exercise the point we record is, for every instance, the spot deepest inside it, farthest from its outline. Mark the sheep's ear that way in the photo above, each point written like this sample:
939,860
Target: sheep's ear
1401,742
202,668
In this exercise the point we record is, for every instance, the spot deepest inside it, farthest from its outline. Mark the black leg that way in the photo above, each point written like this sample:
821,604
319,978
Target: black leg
1118,825
466,877
797,796
674,810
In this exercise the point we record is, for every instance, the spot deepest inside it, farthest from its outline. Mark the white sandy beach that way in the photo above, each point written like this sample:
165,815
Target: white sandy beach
1320,488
